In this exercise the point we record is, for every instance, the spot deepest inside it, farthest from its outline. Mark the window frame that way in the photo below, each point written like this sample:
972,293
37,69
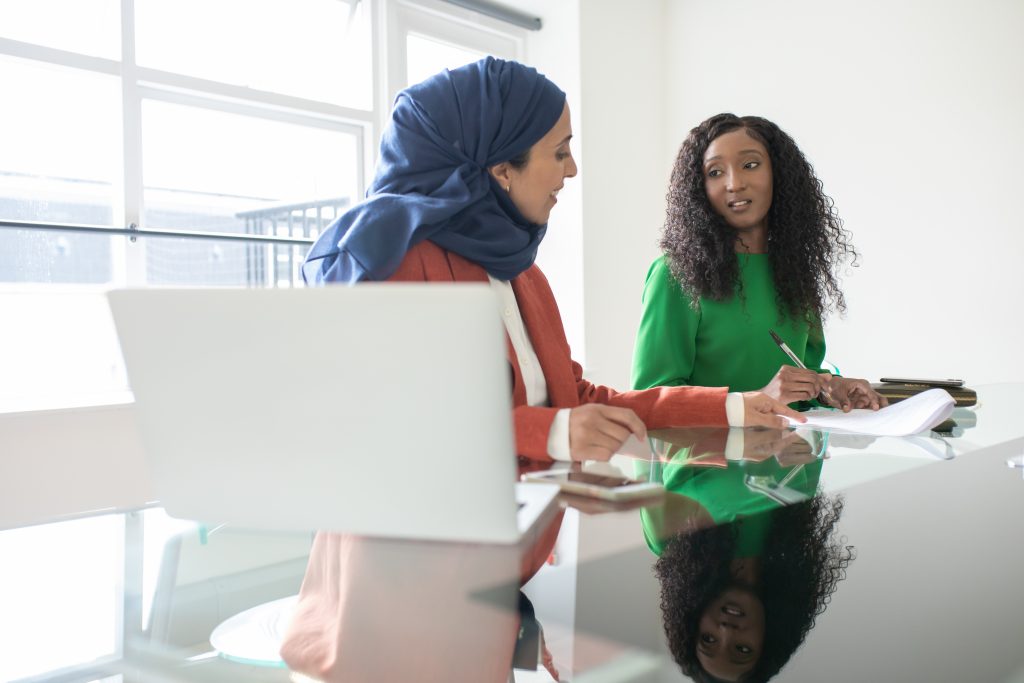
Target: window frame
390,22
446,23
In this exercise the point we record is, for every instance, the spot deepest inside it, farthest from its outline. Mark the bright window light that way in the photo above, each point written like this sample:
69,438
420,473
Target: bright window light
90,27
316,49
61,587
427,56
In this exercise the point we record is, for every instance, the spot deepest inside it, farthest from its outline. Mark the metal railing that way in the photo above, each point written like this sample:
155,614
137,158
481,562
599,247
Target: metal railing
134,232
278,263
269,248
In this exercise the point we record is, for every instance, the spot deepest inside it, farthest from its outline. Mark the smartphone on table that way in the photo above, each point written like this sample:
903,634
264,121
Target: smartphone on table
603,486
947,383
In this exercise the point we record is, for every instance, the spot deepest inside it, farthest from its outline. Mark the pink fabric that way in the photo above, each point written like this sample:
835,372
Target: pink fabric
374,610
389,610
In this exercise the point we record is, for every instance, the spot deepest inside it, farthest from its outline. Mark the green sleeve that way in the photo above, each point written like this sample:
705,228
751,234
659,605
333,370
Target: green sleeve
665,342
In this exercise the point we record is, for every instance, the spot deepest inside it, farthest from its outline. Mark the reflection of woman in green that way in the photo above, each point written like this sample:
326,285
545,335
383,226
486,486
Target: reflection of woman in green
743,574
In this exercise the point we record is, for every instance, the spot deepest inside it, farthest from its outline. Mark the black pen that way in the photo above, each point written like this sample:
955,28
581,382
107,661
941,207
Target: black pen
800,364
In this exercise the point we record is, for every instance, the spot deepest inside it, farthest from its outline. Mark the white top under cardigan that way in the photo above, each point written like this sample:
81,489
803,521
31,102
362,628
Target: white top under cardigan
536,386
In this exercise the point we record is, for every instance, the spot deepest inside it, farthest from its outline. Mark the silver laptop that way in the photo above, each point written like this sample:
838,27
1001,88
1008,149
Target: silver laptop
381,409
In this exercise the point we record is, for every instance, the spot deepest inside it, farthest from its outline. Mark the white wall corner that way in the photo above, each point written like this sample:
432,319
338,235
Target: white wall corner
623,75
905,112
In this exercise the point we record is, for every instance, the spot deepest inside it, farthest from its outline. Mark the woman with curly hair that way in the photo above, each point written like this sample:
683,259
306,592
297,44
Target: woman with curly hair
751,244
738,614
748,553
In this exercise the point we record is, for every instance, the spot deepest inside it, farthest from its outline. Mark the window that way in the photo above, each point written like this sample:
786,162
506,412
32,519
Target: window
61,586
59,165
273,46
274,187
426,56
427,36
260,127
213,121
266,125
271,104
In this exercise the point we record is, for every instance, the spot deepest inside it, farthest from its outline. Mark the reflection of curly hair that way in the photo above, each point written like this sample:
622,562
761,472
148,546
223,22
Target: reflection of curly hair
800,568
806,239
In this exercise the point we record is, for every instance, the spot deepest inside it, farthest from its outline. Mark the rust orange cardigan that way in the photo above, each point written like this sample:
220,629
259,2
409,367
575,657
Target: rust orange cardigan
658,408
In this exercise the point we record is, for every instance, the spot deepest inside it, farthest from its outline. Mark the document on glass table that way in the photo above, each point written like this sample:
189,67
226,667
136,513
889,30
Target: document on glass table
909,416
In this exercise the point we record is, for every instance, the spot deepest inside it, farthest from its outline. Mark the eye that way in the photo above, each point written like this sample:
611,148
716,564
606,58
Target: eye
750,165
714,173
707,638
743,649
562,156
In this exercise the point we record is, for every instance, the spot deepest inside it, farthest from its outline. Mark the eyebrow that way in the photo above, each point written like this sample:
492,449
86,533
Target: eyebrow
742,151
565,140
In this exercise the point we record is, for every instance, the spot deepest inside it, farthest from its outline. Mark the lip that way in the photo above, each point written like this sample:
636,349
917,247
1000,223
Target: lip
740,204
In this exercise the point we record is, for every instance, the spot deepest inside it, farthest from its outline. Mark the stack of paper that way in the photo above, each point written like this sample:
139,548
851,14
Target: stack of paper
909,416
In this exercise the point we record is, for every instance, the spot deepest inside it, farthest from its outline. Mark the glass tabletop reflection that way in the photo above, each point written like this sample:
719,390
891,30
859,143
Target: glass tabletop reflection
771,555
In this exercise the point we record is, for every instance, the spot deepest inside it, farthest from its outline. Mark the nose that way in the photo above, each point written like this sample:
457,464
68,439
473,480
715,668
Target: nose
734,181
570,168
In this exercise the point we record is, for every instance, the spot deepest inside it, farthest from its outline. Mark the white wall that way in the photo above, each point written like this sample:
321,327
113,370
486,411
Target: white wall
622,60
910,112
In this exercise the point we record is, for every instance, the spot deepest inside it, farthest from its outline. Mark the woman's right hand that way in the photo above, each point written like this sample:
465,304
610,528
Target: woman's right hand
761,444
791,384
761,410
597,431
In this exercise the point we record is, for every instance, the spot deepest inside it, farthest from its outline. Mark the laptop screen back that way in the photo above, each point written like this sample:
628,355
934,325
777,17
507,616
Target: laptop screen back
381,409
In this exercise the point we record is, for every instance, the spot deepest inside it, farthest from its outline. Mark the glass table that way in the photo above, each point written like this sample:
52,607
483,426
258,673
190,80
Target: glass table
822,556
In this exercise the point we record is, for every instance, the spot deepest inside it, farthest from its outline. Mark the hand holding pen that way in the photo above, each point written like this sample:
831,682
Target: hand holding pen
798,383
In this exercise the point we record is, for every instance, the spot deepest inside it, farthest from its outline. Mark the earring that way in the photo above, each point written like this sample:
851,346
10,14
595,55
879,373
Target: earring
508,188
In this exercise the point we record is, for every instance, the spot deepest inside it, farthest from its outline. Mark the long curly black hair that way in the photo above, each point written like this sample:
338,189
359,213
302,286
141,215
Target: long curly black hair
802,563
806,241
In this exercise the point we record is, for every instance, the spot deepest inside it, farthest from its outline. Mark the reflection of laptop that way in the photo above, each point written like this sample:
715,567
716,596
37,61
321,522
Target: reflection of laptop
381,409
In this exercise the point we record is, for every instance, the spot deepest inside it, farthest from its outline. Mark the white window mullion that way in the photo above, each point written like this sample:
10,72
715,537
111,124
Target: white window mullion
379,18
58,57
393,42
134,261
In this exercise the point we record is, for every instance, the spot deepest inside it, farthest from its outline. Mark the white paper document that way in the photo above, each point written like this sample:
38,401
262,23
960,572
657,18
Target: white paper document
909,416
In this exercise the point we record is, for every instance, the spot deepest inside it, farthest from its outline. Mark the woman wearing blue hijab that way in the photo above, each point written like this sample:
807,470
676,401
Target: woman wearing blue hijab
470,167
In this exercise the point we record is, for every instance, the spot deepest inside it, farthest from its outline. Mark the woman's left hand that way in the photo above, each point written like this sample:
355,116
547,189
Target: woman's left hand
848,393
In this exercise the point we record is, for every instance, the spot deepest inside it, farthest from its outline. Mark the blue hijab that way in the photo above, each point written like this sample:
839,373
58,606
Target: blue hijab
432,181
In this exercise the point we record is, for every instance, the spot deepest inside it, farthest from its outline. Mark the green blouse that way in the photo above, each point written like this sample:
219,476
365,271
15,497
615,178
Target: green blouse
740,492
720,343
